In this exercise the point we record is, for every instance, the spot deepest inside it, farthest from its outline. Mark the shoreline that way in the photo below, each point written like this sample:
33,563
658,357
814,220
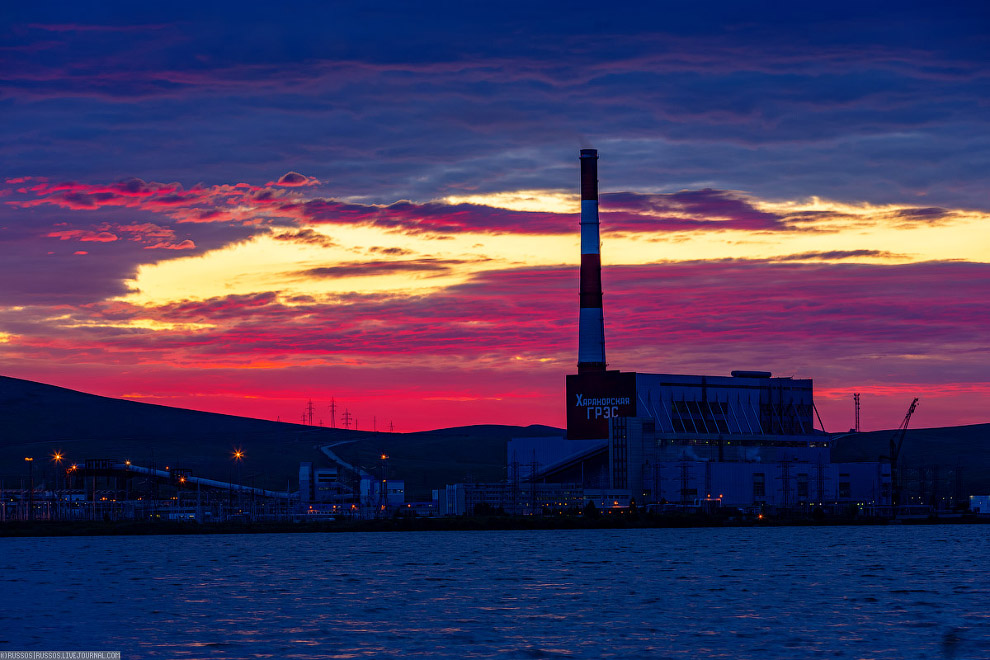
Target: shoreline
146,528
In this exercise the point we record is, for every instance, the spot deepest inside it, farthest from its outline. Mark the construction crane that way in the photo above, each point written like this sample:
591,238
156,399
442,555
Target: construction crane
896,442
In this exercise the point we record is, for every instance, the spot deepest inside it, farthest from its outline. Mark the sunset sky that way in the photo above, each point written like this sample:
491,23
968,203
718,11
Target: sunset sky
238,210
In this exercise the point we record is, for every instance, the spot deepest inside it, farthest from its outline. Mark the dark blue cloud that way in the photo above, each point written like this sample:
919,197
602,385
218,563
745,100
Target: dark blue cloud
389,101
40,262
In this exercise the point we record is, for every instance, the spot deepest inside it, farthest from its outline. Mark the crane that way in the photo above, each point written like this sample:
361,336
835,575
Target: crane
896,442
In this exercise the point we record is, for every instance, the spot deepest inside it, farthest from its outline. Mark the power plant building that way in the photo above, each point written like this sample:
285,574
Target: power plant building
746,440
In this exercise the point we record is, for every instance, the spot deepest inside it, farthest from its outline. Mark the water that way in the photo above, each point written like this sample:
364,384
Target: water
837,592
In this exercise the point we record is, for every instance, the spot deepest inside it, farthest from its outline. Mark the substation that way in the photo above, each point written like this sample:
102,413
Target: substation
109,490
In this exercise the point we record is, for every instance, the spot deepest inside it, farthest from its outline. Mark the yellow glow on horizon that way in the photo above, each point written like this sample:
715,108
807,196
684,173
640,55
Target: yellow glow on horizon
265,264
846,228
926,243
539,201
819,204
5,337
142,324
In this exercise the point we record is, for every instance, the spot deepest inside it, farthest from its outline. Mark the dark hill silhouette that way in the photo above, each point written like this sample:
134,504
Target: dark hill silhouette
36,419
952,448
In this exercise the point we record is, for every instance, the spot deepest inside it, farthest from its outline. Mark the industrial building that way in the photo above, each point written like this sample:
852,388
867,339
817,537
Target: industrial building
745,440
513,498
321,491
318,485
377,493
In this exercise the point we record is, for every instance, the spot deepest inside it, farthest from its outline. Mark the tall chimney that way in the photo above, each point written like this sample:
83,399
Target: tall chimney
591,325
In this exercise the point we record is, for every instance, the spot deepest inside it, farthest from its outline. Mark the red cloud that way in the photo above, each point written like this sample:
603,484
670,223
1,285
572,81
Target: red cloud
156,237
83,235
145,230
705,210
658,316
295,180
236,306
917,326
170,199
165,245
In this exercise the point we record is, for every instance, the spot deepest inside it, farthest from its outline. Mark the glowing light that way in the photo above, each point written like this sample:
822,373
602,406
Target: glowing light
139,324
264,264
536,201
238,454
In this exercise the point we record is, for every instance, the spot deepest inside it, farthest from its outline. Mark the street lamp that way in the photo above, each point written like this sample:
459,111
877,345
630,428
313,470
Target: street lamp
57,460
238,457
30,462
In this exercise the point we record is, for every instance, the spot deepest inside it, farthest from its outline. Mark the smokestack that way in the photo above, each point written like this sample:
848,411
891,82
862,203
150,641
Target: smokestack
591,325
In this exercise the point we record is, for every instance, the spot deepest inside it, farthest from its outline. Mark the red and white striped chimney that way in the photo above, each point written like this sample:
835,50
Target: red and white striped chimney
591,325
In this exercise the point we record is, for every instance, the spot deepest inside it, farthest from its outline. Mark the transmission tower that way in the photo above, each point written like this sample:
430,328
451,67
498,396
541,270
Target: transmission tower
514,468
856,399
347,418
936,491
309,412
333,413
534,467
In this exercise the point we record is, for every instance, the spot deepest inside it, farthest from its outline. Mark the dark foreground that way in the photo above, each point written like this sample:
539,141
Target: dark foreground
471,523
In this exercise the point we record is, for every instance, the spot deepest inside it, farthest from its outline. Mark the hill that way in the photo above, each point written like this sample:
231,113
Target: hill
962,450
431,459
36,419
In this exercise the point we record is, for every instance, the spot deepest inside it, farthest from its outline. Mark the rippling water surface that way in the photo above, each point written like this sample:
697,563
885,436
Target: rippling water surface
837,592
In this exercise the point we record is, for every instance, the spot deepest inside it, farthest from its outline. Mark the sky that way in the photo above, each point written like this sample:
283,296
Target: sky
241,208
